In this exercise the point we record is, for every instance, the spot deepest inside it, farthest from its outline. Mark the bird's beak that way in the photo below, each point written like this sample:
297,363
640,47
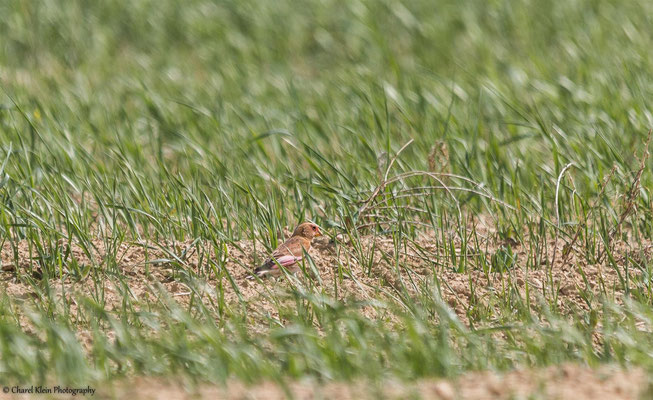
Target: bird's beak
318,233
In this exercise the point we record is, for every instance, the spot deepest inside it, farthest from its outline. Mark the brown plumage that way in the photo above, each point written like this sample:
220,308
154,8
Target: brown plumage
290,252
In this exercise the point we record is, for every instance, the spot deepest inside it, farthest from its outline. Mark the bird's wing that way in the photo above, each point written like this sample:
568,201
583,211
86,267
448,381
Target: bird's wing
287,261
287,254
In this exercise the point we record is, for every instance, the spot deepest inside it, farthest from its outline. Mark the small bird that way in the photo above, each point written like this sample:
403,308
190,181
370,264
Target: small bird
290,252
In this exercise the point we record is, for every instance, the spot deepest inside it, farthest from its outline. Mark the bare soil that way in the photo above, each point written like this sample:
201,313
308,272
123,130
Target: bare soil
561,382
342,271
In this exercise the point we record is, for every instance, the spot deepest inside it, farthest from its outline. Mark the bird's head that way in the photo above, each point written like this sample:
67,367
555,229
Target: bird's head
307,230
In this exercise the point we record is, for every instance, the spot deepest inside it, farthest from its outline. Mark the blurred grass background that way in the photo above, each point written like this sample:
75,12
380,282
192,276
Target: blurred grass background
246,92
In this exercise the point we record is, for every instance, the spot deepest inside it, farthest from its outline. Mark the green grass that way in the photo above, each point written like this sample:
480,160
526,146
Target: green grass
226,121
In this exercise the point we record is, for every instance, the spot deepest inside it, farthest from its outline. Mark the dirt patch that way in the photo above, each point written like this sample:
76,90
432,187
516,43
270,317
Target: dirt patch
366,271
560,382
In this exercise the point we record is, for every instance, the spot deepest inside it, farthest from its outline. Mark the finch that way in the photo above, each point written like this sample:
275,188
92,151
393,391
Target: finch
290,252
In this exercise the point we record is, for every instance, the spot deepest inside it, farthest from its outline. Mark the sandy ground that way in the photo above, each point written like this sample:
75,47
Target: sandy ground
343,272
561,382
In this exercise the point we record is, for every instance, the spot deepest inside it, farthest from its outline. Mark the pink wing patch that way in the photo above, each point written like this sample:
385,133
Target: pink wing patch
287,261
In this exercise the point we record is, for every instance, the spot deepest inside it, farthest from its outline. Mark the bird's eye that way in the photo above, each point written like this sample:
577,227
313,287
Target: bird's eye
314,227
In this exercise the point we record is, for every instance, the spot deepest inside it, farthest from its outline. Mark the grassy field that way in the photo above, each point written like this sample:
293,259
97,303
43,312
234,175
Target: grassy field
480,168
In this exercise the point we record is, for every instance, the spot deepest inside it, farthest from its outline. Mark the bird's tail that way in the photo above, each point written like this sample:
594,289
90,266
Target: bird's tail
272,265
262,271
260,274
